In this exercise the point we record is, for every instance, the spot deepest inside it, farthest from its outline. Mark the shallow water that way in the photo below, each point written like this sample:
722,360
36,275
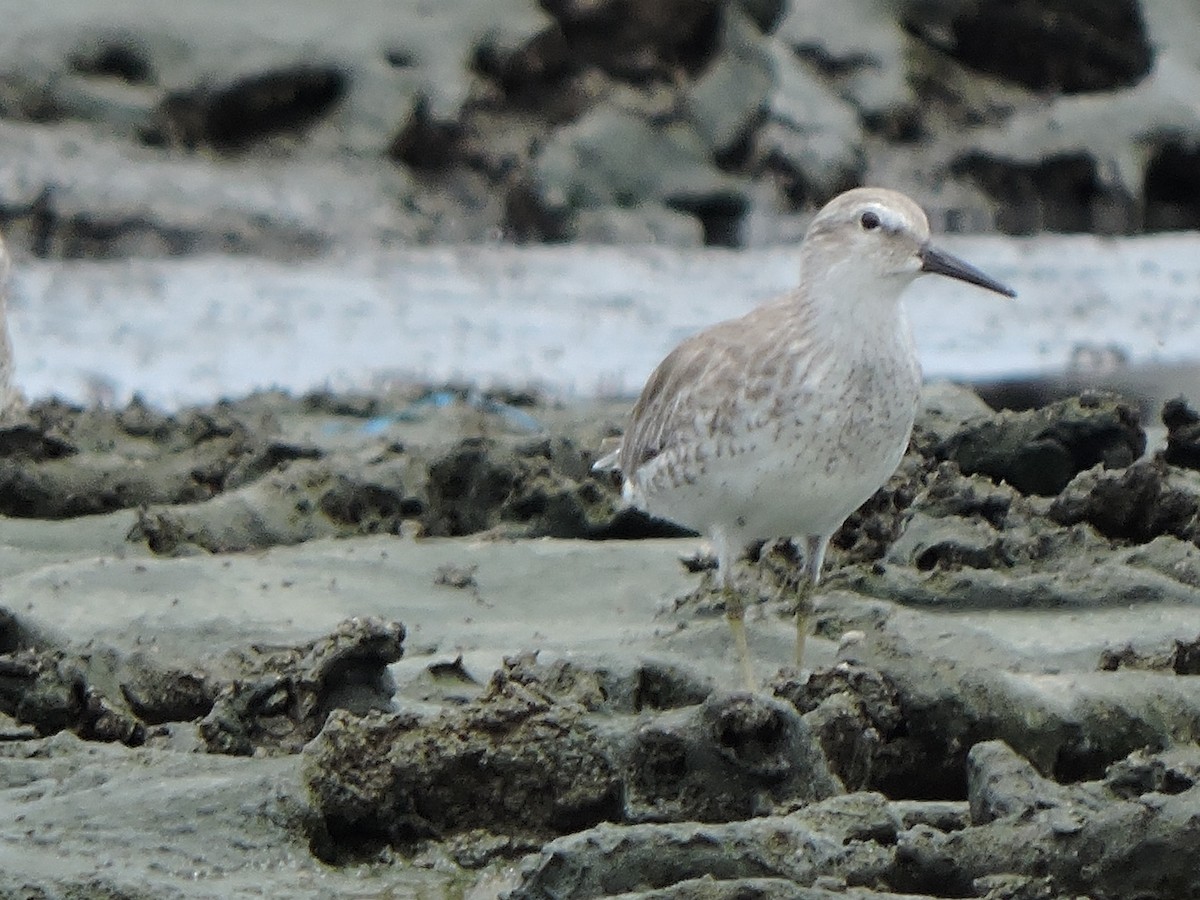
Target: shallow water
578,321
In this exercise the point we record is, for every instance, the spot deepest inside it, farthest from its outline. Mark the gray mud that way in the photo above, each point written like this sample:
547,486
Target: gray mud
409,644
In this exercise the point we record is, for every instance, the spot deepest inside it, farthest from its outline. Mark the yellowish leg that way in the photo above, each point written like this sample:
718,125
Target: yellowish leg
735,613
804,608
814,556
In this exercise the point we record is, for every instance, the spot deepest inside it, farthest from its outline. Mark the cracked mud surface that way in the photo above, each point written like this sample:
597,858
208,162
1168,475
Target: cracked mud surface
393,643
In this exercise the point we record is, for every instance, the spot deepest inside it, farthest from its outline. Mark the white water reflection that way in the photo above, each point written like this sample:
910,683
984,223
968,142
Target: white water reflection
575,320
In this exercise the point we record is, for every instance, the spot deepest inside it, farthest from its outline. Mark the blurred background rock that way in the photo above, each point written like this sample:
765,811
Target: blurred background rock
286,129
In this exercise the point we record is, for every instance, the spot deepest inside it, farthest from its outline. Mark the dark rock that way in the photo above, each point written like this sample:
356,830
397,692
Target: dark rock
1059,45
233,116
1138,504
871,529
855,712
543,488
1064,193
1173,771
1179,658
765,14
120,56
639,39
157,695
1183,434
1171,195
1040,451
426,144
288,504
1000,783
465,487
67,462
649,686
369,507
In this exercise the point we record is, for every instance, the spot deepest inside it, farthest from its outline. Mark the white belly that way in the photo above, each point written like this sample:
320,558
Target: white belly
800,474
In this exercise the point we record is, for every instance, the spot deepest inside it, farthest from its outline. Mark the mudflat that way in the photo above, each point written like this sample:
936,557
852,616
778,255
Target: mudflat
408,644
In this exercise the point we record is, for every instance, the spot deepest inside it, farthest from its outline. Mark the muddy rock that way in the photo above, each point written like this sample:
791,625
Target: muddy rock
257,698
869,532
1145,501
514,763
1181,658
855,712
159,694
869,847
845,839
290,505
730,757
649,685
968,542
540,488
267,490
1000,783
66,461
50,690
1040,451
736,756
238,817
709,888
1001,680
1183,434
1074,841
280,697
1172,771
905,726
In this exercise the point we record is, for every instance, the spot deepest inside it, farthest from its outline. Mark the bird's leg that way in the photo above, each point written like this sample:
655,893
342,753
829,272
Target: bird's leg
735,614
735,609
814,556
803,611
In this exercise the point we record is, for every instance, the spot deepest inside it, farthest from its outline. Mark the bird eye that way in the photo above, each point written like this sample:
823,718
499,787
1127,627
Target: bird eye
869,221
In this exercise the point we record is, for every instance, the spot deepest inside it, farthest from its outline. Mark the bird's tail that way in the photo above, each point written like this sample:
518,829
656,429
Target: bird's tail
610,460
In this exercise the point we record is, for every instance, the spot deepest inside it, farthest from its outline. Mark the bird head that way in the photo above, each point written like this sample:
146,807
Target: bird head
884,237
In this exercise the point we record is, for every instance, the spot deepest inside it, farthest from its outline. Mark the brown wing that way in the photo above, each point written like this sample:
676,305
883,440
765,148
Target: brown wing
697,378
697,387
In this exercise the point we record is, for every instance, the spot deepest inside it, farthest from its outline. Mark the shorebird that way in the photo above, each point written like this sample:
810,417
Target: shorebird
783,422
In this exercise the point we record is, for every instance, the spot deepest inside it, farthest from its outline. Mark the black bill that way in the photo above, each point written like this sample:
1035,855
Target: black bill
938,262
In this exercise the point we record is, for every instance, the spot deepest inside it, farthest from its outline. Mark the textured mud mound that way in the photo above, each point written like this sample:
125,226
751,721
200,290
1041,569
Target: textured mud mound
228,478
257,699
536,757
1018,836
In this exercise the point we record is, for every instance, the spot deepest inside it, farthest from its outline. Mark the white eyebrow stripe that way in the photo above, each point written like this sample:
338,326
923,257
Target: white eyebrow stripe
890,219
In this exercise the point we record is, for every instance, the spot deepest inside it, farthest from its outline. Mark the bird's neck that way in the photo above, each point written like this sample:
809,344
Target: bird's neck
845,295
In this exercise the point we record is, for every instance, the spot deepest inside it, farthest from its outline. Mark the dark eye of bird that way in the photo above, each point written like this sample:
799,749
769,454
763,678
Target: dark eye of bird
869,220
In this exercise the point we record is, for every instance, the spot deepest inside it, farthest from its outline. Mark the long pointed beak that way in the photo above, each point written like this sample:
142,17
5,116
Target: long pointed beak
939,262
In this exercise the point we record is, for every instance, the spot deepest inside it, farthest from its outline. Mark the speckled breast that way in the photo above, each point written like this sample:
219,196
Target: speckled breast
798,459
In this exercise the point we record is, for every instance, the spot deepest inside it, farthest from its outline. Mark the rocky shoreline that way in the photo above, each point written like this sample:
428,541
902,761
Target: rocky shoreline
417,647
285,129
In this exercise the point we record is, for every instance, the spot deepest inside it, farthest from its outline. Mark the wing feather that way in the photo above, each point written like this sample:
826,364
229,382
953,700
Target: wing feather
693,381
